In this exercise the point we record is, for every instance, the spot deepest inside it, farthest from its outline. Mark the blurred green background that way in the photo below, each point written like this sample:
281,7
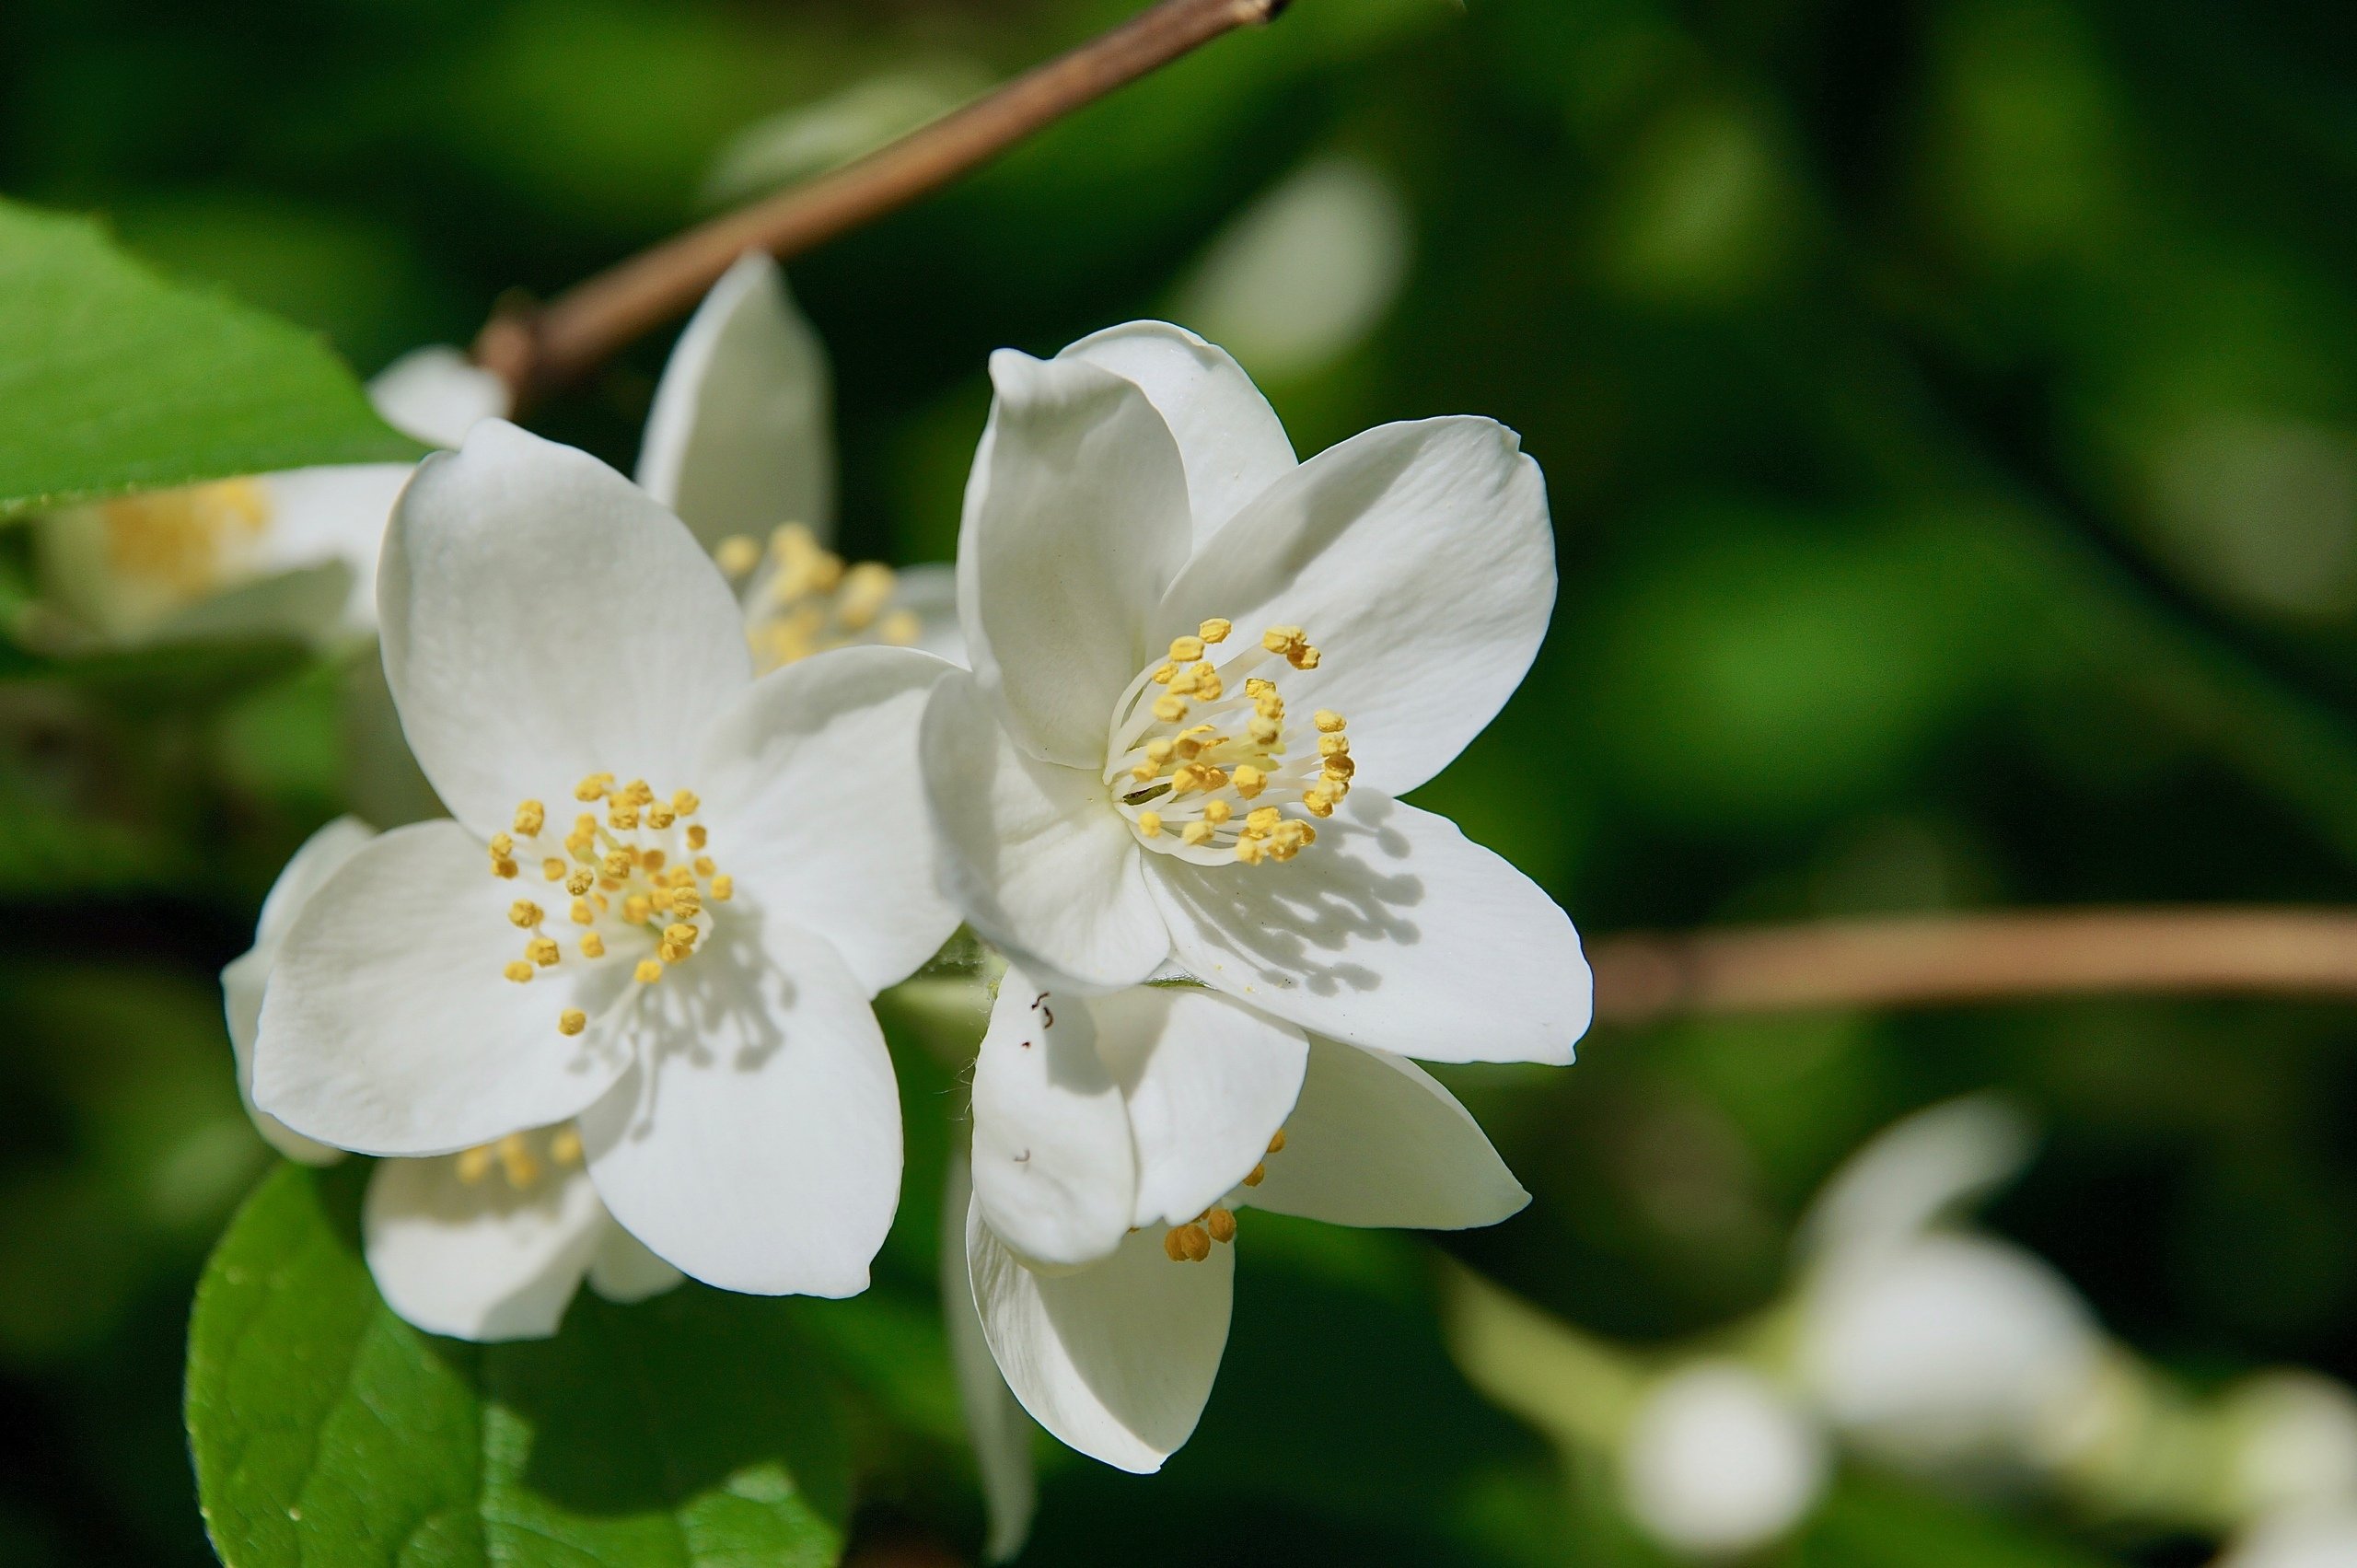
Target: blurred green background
1950,412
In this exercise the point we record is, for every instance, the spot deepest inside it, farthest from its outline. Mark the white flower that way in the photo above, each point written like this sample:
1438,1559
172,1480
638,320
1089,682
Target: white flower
1937,1348
2322,1536
1115,1138
488,1244
293,553
684,969
1717,1461
1202,674
740,444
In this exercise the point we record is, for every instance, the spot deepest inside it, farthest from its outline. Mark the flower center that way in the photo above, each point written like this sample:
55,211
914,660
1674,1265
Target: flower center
521,1157
1191,1242
190,540
1204,761
636,877
805,600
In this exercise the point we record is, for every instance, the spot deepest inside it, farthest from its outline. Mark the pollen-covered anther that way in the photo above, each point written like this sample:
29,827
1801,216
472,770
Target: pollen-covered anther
572,1021
1188,1243
1221,1223
525,914
649,970
544,951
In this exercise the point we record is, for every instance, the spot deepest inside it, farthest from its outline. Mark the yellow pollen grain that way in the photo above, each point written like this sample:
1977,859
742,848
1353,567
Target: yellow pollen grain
1162,677
1248,779
685,803
553,869
1170,710
474,1163
594,787
1185,650
1277,1142
506,870
1251,851
1149,823
705,866
516,1159
541,950
1215,630
649,970
1195,1242
1339,766
1196,833
1259,1173
1304,658
1256,688
517,970
1333,746
723,887
682,934
1221,1224
661,899
579,883
531,816
660,816
672,953
572,1021
616,865
698,837
1327,721
652,860
502,846
900,629
592,945
1172,1248
525,914
1318,803
1157,751
686,902
738,554
1262,819
582,915
623,817
1265,730
1216,812
637,908
565,1147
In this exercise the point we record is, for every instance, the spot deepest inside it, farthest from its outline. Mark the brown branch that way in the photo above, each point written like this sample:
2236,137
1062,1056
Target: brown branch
534,351
1942,959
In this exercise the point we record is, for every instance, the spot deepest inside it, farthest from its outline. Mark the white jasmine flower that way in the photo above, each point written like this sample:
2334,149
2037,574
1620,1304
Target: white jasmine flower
683,971
488,1244
1930,1346
740,444
1116,1137
1202,674
2323,1536
1718,1461
293,552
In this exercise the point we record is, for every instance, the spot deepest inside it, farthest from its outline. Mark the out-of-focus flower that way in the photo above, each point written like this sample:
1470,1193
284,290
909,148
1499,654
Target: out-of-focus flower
1204,672
1303,275
810,139
2322,1536
1935,1348
695,988
2295,1442
1718,1461
740,445
487,1244
291,553
1115,1140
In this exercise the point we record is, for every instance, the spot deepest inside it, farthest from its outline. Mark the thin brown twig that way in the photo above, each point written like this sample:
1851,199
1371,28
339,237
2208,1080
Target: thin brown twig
535,350
1933,960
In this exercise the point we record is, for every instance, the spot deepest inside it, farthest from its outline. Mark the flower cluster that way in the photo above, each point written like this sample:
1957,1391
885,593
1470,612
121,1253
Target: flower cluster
610,1018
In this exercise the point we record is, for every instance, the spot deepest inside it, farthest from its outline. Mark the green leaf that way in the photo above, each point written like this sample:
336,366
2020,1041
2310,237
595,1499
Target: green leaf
691,1431
112,379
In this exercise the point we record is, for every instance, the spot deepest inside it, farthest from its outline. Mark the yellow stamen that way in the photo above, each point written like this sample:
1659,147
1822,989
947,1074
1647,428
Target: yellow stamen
1259,1173
524,914
1149,823
572,1021
1221,1224
738,554
529,818
517,970
649,970
1215,630
541,950
593,945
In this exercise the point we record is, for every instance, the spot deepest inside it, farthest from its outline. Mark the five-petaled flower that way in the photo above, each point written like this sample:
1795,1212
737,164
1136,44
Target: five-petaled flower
667,896
1116,1138
1204,672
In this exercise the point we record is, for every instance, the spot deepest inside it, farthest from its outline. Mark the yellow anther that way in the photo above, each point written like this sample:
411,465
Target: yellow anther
594,787
1163,677
672,952
866,589
525,913
697,837
637,908
582,915
1259,1173
474,1163
504,870
531,816
1338,766
705,866
1171,1246
502,846
1327,721
1195,1242
1157,751
686,902
565,1147
1215,630
592,945
1262,819
738,554
572,1021
516,1159
652,860
1170,710
1258,688
1333,746
616,865
1149,823
1264,731
638,792
1251,851
517,970
1277,1142
580,882
1144,772
661,899
1248,779
620,816
1217,812
1185,650
685,803
553,869
1317,802
1304,658
1277,639
1196,833
723,887
680,932
649,970
660,816
900,629
1184,684
1221,1224
541,950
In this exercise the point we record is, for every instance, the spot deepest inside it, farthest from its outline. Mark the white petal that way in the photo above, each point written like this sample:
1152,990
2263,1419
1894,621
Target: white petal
245,980
1231,440
1053,1168
388,1027
757,1144
1076,520
622,1269
741,434
995,1425
1392,931
544,619
816,805
1033,855
335,513
479,1261
436,395
1374,1141
1115,1359
1419,558
1207,1080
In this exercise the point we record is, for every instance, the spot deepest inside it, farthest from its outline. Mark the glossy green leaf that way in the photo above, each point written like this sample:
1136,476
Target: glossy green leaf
690,1432
113,380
